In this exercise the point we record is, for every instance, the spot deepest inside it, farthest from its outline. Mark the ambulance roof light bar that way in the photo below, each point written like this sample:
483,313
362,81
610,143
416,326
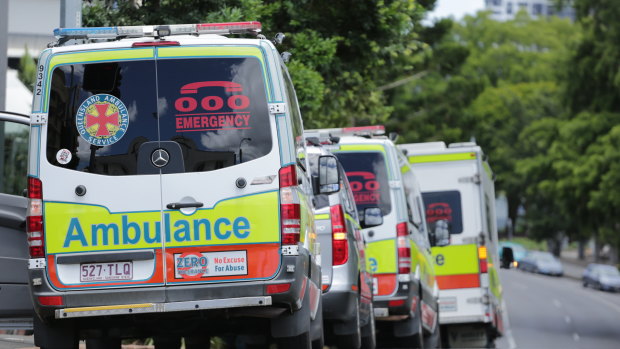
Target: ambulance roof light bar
363,131
157,31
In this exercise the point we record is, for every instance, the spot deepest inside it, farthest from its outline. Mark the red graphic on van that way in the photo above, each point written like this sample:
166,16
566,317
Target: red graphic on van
104,117
213,111
364,186
437,211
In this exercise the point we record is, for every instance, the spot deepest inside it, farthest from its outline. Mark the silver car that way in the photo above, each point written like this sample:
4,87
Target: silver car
346,280
602,276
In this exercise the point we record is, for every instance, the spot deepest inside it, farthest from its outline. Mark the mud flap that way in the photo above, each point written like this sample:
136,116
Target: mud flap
408,327
295,323
55,335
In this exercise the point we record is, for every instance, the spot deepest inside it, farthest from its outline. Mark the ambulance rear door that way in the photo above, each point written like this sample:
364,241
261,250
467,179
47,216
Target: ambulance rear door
219,184
90,168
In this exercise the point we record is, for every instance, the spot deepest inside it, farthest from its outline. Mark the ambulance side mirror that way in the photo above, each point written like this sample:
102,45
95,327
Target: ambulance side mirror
372,217
440,233
329,178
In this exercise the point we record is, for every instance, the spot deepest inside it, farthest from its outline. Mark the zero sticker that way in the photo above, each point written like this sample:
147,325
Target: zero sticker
196,265
63,156
212,110
102,119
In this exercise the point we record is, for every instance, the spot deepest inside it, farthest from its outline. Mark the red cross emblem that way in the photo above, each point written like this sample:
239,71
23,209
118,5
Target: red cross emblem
102,119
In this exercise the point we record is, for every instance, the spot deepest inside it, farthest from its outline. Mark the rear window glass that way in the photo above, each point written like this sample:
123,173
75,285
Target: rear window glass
444,205
107,118
13,157
368,179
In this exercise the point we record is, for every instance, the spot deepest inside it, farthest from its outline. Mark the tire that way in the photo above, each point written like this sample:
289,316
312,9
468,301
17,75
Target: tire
316,326
369,332
103,343
55,335
353,340
416,340
301,341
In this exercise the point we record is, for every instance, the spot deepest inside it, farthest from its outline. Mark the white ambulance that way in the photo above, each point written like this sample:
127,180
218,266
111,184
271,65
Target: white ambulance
168,191
458,190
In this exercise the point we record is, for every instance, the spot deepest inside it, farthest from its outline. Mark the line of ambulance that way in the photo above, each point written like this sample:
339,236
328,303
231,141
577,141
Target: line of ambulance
173,193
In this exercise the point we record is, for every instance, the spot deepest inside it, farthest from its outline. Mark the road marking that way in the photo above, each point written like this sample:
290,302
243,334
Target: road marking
567,319
576,337
557,303
601,299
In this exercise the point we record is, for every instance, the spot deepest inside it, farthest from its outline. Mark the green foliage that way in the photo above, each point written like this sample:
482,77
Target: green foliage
342,50
27,70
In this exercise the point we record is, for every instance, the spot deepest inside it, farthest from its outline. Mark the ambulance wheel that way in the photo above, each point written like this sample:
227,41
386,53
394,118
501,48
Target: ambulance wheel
316,328
167,342
103,343
301,341
417,340
55,335
433,339
369,332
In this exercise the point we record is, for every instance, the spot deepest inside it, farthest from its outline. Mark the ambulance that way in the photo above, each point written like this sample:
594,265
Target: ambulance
168,191
458,189
399,249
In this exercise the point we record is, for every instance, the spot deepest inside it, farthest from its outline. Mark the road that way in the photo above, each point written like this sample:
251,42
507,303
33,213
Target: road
552,312
543,312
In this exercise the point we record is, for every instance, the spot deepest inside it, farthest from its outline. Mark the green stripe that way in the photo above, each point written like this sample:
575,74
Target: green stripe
417,159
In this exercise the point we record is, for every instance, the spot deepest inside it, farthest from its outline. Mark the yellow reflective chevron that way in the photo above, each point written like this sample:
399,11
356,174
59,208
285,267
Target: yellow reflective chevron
320,217
417,159
362,147
381,256
456,259
73,227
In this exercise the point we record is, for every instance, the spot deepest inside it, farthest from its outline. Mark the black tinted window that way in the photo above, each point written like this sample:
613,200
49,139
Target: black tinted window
368,179
13,157
216,109
444,205
100,114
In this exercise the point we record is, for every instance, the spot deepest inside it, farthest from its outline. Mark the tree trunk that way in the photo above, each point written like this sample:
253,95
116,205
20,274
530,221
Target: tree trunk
581,250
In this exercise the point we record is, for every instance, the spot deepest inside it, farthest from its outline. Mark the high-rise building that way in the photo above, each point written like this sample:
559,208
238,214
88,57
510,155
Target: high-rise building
503,10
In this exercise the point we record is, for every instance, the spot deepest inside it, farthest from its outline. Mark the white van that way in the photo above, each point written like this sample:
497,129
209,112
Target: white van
458,190
398,250
168,190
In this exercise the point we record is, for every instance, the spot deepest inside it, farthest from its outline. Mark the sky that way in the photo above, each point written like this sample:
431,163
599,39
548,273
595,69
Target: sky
456,8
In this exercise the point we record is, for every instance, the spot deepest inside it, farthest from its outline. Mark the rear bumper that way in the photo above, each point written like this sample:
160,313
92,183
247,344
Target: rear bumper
135,301
399,305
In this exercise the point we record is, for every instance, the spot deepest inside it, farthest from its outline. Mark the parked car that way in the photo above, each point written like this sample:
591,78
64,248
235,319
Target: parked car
602,276
346,278
518,251
542,263
16,309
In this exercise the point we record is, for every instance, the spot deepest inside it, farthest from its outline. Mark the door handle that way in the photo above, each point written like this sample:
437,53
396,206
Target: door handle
180,205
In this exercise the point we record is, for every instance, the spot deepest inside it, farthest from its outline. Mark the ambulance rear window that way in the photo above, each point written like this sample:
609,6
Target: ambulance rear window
444,205
110,118
367,174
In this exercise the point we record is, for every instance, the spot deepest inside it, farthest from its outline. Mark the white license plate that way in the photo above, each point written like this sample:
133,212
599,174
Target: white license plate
106,271
447,304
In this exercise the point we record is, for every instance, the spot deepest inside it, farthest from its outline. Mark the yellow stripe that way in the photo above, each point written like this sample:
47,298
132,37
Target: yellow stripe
109,307
487,169
362,147
321,216
417,159
404,169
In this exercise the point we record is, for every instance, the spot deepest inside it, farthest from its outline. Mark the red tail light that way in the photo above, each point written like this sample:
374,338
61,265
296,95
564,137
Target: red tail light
278,288
51,300
340,244
290,213
396,303
482,259
404,249
34,218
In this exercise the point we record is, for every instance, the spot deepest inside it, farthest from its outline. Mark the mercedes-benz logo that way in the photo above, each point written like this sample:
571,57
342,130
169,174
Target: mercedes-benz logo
160,158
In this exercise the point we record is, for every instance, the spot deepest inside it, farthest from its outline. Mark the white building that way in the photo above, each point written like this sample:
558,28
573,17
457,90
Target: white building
503,10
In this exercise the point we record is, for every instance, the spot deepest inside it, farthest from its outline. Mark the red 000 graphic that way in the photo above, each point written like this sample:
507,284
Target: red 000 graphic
188,104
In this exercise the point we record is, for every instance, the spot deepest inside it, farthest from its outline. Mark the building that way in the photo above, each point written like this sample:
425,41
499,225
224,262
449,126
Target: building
504,10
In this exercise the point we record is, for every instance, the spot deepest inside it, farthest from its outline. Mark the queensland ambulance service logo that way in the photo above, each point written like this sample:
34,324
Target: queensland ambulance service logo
102,119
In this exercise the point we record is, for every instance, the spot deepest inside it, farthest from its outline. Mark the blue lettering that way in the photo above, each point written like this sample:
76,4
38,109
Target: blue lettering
241,227
75,233
222,235
126,227
182,234
147,235
207,224
105,229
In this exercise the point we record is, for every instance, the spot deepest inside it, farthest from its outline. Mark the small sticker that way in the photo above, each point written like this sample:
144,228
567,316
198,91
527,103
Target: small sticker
102,119
63,156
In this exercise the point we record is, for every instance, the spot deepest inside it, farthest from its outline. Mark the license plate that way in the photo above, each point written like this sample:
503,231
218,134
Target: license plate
447,304
106,271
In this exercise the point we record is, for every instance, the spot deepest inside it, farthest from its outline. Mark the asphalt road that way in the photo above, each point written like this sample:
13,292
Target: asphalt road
543,312
552,312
